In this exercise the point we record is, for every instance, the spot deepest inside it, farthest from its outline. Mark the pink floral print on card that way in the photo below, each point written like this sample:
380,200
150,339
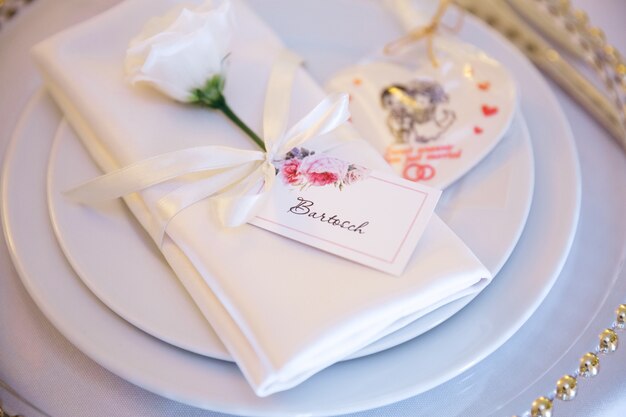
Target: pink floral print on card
304,168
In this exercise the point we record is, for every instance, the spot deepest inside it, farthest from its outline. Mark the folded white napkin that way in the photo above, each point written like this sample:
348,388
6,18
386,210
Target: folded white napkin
284,310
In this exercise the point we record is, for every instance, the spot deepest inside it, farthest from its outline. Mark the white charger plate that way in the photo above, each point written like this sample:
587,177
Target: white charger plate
118,261
349,386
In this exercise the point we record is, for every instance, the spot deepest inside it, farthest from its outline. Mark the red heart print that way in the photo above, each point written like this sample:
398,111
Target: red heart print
489,111
484,85
478,130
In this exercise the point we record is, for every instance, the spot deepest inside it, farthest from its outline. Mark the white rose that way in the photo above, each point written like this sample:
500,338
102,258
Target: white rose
182,51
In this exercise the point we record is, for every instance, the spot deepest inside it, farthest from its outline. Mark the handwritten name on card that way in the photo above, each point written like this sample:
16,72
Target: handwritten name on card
370,217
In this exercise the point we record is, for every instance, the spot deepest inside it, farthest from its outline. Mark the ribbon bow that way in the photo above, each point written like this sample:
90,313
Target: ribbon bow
238,180
423,32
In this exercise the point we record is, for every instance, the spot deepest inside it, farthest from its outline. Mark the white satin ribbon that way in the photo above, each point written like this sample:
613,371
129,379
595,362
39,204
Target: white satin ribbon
238,180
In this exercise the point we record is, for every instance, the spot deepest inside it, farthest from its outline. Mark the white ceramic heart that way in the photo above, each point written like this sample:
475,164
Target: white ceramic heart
433,124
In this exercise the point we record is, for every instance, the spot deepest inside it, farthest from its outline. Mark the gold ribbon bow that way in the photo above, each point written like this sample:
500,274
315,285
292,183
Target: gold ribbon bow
426,32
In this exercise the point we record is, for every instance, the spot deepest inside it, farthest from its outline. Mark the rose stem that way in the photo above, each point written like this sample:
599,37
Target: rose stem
225,108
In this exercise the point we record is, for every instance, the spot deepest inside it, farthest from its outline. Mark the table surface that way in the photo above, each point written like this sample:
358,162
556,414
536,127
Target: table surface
56,379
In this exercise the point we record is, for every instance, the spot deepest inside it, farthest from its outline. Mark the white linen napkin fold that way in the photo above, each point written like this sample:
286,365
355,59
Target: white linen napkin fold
284,310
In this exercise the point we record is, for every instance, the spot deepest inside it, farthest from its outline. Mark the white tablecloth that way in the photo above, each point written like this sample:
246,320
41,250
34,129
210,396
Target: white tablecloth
47,371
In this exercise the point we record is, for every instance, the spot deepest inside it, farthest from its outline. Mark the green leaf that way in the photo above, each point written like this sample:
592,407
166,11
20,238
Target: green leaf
211,94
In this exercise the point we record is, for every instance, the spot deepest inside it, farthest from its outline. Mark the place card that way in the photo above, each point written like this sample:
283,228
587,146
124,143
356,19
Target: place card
367,216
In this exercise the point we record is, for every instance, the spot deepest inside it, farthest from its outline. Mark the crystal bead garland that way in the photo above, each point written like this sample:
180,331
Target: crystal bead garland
611,67
589,366
602,57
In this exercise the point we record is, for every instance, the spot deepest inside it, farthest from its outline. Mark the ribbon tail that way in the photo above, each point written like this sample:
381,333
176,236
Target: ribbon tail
413,36
239,210
170,205
159,169
241,203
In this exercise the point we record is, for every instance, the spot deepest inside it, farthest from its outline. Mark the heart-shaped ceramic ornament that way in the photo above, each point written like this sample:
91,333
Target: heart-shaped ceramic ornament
433,124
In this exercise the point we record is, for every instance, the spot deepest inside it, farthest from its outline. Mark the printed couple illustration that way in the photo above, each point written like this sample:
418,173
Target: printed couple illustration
416,113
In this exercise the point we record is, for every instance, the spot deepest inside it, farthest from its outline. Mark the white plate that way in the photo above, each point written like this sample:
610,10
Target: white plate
99,243
363,383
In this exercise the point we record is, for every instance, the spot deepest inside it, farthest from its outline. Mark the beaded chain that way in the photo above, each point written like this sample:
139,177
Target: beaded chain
605,59
588,367
610,66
